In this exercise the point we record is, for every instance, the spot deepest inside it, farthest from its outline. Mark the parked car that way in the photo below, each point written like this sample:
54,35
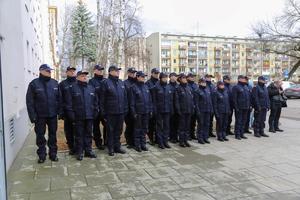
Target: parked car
293,91
287,84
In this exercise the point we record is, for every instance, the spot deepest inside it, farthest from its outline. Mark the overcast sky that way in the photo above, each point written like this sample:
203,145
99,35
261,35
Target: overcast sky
211,17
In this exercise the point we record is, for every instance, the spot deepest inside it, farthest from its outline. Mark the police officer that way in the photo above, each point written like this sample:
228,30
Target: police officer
43,106
211,88
69,129
228,88
276,98
193,86
129,120
241,103
163,109
82,109
204,110
249,89
221,104
174,117
261,105
114,106
141,109
152,121
185,108
96,82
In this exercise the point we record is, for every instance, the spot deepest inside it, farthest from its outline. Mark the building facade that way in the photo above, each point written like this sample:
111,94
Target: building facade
23,48
214,55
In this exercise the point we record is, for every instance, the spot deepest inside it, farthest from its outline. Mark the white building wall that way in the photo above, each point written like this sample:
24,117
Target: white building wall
23,25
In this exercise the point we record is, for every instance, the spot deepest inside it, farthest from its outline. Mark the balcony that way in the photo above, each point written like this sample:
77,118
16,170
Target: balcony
226,57
193,47
166,56
182,46
249,57
182,56
217,65
165,46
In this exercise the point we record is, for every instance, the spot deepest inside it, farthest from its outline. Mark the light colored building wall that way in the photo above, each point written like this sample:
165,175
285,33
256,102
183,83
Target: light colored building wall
24,47
153,44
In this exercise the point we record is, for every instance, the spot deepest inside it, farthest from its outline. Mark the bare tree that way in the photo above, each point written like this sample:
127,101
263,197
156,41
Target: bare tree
118,27
282,34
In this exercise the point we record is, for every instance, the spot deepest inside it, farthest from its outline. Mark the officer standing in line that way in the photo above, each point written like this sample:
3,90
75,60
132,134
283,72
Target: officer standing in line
193,86
174,117
261,103
228,88
249,89
276,95
204,110
211,88
82,109
221,106
96,82
43,106
69,129
141,109
129,120
162,97
152,121
185,108
114,106
241,103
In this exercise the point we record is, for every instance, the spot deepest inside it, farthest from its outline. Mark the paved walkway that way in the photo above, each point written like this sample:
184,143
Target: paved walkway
265,168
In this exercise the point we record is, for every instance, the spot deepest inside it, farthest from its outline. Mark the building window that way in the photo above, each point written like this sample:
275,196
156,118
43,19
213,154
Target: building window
174,61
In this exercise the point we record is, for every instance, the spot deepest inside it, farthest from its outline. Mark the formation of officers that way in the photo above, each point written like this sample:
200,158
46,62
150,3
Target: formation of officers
167,108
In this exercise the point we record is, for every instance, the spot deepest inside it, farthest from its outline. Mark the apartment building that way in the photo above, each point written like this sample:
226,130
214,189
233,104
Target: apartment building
214,55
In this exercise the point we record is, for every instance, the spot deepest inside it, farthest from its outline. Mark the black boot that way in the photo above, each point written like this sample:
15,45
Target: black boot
90,154
272,130
144,148
53,158
80,157
167,145
187,144
200,141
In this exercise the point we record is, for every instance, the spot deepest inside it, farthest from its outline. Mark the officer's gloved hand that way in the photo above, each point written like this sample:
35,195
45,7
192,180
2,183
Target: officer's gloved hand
61,116
33,120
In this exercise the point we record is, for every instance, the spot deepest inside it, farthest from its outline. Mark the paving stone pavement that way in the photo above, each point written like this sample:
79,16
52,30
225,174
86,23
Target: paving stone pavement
257,168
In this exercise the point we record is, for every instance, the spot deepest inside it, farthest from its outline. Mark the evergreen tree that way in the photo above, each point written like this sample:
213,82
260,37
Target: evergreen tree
83,34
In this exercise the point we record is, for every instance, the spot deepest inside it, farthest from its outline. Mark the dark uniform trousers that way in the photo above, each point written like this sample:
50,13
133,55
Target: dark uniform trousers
129,131
40,130
84,130
203,125
259,121
140,130
163,128
114,130
100,139
193,125
174,120
229,121
246,128
222,121
275,115
70,133
240,121
184,127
